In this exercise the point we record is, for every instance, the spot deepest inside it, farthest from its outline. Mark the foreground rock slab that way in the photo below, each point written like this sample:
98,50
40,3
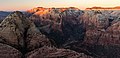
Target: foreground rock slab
49,52
7,51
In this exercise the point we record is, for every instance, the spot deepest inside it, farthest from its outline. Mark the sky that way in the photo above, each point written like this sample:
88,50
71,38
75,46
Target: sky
10,5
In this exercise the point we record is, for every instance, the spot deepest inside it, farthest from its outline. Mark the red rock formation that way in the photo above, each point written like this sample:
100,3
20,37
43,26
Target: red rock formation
55,22
83,30
98,25
106,35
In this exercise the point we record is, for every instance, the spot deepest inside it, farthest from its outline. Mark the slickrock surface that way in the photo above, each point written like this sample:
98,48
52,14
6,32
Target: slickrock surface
7,51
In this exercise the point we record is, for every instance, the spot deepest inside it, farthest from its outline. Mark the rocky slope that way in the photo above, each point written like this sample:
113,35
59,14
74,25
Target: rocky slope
93,32
48,52
54,22
20,32
61,33
20,38
7,51
102,33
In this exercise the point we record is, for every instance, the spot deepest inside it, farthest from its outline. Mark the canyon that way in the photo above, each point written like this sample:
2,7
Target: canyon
60,33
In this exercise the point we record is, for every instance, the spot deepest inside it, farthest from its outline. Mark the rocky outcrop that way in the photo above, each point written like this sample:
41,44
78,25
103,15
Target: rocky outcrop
102,33
99,27
49,52
82,31
90,32
18,31
20,38
9,52
62,24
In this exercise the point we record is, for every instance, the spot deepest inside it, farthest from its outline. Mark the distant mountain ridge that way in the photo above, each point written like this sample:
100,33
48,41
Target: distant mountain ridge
3,14
42,9
103,8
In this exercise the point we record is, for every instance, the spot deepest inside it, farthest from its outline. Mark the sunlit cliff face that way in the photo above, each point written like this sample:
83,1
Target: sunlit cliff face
41,11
